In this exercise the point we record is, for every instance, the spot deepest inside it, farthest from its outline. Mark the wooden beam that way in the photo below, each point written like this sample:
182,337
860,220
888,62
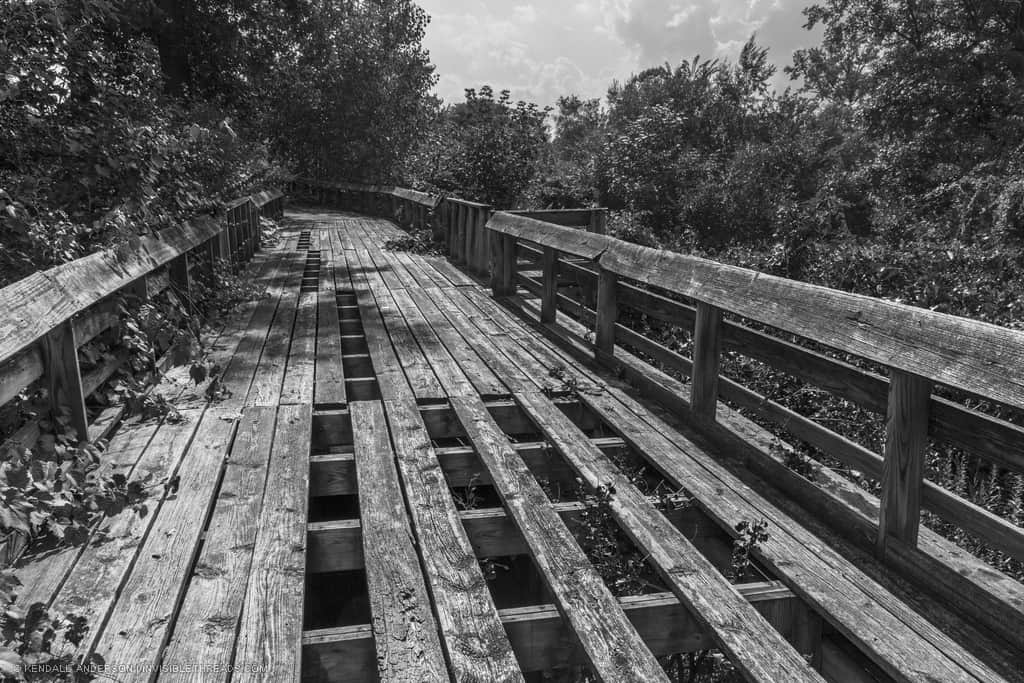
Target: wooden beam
503,268
60,360
549,294
906,442
706,356
404,629
607,311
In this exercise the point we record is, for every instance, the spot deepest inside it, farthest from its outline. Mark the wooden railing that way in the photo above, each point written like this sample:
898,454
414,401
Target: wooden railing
49,315
919,348
458,223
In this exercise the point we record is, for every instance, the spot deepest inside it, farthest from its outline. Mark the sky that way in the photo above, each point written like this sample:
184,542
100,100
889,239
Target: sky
543,49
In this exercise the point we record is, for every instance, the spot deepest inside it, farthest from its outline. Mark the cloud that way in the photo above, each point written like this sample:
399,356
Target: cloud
542,51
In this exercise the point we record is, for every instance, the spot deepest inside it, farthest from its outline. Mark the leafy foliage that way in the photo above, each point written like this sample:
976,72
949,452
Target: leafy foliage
485,149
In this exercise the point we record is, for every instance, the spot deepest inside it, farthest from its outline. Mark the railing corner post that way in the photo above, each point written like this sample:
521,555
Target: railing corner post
906,442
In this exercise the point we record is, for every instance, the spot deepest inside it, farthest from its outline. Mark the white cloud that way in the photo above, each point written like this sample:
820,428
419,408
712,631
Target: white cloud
542,51
526,14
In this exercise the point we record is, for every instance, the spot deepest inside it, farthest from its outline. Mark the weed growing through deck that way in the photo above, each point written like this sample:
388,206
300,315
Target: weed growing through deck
751,536
34,640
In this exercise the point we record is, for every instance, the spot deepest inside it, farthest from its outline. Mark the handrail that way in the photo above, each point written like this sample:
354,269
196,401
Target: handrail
917,346
916,340
49,314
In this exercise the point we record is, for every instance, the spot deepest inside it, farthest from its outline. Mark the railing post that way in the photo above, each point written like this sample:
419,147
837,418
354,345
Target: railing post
706,354
906,441
549,294
460,233
503,265
60,359
607,312
598,221
469,245
482,249
177,269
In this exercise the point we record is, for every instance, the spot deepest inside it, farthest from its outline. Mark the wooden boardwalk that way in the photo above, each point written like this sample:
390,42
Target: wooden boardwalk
389,425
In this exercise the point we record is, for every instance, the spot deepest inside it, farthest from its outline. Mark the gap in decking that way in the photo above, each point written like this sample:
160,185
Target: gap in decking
353,345
336,599
332,431
362,389
713,541
514,581
333,508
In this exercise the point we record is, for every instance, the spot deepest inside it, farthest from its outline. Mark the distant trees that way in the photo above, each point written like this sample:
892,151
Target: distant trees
485,149
119,116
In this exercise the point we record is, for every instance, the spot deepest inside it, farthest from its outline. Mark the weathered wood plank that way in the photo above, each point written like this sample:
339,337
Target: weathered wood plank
149,597
207,624
404,629
329,381
879,624
477,645
610,643
270,632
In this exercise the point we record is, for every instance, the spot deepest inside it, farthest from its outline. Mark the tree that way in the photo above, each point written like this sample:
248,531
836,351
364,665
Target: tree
485,149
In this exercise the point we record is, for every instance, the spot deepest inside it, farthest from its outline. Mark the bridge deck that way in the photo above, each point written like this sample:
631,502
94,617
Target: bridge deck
389,426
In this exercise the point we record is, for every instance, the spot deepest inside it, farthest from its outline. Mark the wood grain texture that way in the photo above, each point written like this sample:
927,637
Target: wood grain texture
270,631
207,624
906,442
707,351
330,372
148,600
610,643
404,629
477,645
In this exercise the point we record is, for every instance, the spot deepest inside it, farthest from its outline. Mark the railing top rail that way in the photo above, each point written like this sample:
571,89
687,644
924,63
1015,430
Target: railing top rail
541,212
586,245
416,196
40,302
983,359
261,199
466,202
